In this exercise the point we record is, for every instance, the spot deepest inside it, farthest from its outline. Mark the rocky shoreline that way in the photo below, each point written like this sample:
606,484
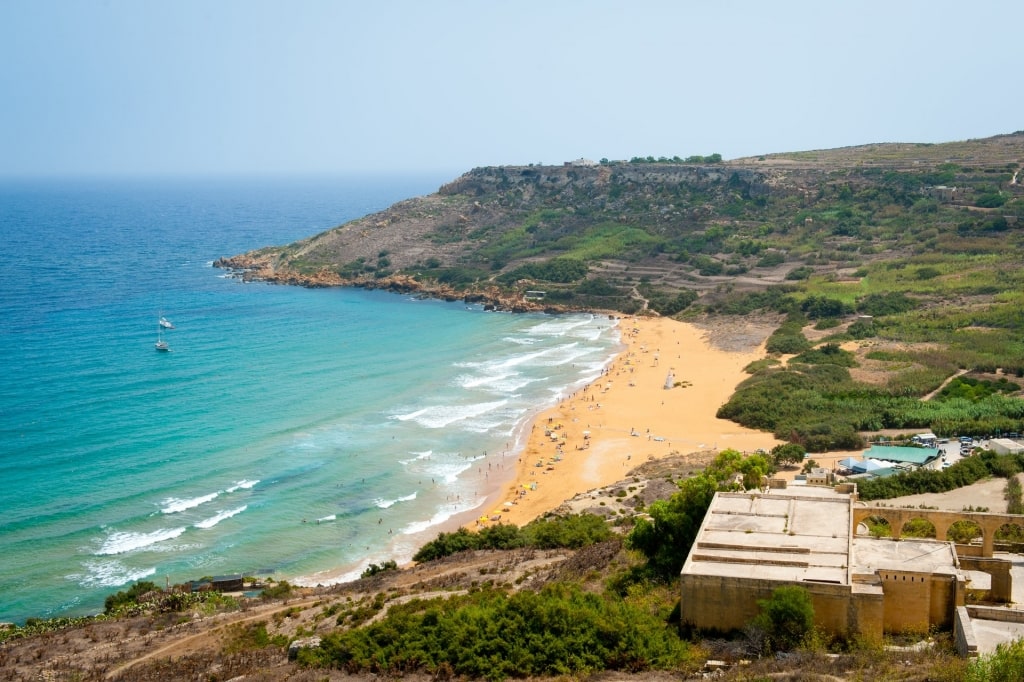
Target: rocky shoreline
254,268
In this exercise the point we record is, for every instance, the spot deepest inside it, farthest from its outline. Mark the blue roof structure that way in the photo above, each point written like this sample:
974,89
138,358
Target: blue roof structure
895,453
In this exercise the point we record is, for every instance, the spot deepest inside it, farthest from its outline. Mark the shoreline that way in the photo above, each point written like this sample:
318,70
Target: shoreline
626,417
630,419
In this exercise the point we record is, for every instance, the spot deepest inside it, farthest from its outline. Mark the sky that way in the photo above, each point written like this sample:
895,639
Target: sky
276,87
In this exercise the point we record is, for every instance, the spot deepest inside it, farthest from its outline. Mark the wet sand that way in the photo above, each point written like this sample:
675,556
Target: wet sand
629,416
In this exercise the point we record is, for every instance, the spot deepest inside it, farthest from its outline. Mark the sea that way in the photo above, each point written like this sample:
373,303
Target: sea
298,433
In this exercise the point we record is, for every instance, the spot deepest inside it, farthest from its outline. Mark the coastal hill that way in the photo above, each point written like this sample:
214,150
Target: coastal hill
671,234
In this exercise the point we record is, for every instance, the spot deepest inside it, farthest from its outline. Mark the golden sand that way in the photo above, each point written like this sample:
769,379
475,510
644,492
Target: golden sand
629,416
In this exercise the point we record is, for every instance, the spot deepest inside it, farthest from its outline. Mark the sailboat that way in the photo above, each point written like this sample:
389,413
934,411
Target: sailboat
161,345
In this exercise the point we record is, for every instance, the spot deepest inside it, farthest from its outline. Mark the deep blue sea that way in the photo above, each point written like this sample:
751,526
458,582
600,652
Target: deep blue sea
303,433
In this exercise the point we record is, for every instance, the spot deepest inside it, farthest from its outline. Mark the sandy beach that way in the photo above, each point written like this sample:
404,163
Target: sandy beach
657,398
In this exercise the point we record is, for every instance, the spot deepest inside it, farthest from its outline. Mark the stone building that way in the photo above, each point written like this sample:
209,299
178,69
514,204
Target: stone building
751,543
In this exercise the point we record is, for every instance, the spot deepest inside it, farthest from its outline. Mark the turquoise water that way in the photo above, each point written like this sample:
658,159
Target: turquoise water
304,433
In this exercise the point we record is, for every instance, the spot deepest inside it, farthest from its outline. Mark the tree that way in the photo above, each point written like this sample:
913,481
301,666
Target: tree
788,453
666,538
786,617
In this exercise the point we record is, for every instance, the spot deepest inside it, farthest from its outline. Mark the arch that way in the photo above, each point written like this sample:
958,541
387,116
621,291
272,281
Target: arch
876,526
965,532
918,527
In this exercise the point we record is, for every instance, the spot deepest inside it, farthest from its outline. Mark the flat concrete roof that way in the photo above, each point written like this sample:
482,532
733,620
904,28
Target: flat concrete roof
801,535
784,535
906,554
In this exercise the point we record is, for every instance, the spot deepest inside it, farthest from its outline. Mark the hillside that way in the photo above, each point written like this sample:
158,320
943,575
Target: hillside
675,235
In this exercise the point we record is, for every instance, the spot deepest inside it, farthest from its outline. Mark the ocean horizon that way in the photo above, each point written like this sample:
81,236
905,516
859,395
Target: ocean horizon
300,433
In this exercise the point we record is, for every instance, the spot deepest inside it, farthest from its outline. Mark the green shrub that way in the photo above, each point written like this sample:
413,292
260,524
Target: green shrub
129,596
828,354
488,634
558,270
1005,665
787,344
801,273
573,531
889,303
990,200
861,329
374,569
278,590
786,618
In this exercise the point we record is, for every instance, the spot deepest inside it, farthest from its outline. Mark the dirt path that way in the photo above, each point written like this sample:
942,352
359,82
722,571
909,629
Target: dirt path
184,644
988,493
945,383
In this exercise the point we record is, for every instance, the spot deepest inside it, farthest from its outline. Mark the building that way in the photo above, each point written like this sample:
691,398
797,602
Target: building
895,454
820,476
751,543
928,440
1005,446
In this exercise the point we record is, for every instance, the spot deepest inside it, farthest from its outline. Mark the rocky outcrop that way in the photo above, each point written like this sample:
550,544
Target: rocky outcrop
253,267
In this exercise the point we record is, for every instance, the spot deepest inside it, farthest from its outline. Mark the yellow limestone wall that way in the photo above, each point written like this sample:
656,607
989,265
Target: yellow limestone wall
720,603
915,601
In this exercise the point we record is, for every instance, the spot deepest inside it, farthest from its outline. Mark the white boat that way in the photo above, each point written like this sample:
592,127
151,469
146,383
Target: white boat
161,345
165,323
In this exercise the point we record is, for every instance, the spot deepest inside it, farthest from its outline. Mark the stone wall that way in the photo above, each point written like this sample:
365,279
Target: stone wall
727,603
963,633
1001,589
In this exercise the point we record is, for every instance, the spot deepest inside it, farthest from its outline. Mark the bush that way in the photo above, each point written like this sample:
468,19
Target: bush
890,303
861,329
1005,665
786,618
129,596
558,270
278,590
828,354
817,307
574,531
487,634
800,273
374,569
990,200
787,344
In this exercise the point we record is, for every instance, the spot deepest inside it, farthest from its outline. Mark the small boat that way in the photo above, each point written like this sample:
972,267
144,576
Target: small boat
161,345
165,323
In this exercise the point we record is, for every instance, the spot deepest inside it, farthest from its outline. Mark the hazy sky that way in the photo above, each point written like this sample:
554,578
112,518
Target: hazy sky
305,86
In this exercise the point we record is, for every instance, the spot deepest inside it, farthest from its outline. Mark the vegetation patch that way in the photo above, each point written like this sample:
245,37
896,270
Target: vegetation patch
492,635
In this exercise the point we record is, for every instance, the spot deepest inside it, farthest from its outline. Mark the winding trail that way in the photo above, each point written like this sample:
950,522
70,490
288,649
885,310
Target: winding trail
635,294
945,383
184,643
